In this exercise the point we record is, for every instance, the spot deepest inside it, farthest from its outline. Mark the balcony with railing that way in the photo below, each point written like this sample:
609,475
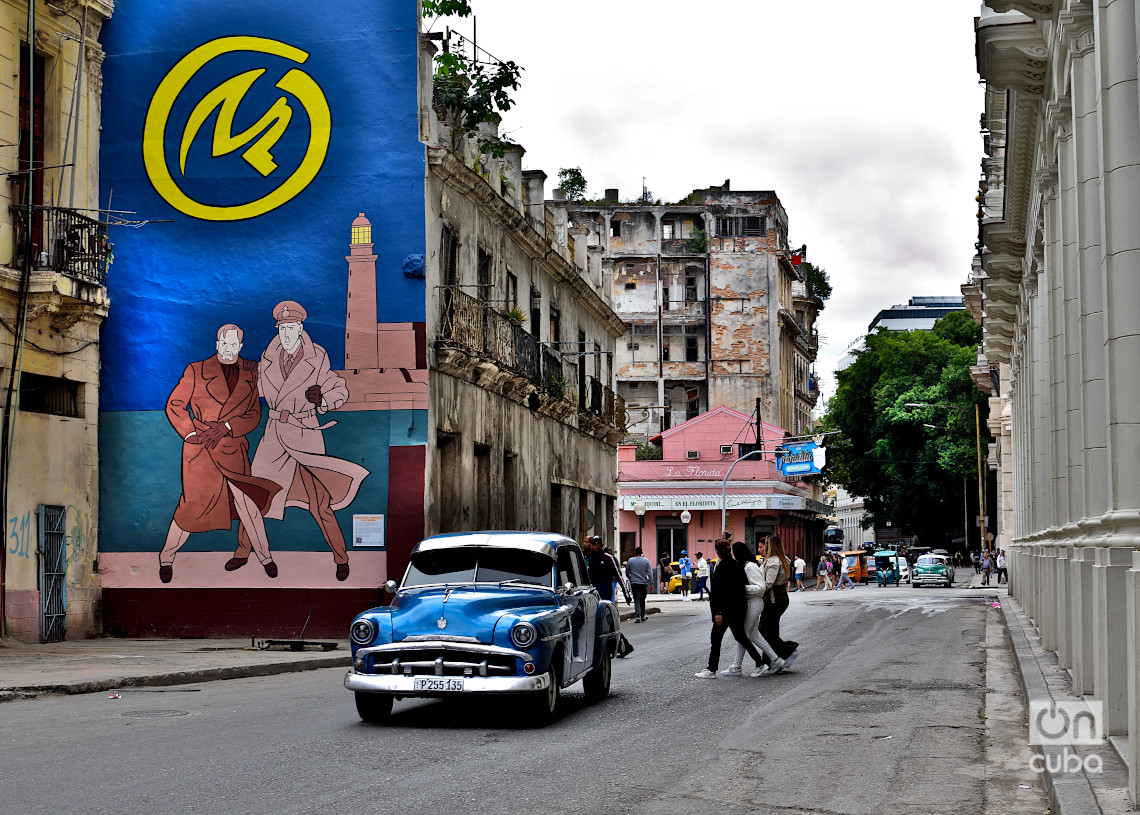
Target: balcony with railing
63,241
491,342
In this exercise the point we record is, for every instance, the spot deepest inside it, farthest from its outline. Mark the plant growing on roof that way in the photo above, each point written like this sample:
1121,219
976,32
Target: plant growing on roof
516,315
469,91
698,241
556,387
572,182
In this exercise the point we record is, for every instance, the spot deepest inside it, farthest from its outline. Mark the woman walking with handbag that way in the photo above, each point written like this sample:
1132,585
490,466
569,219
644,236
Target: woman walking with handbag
777,570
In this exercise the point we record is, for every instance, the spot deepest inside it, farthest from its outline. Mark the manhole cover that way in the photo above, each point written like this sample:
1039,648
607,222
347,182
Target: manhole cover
152,714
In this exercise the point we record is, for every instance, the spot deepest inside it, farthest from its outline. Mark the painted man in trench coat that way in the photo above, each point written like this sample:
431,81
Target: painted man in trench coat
299,387
213,407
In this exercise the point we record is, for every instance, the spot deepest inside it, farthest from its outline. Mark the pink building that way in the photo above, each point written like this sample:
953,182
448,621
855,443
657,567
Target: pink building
681,493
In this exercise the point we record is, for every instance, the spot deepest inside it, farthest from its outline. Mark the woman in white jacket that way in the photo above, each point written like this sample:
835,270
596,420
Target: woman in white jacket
755,591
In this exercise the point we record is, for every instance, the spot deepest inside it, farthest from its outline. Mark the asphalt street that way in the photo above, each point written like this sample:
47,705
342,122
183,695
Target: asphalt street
899,704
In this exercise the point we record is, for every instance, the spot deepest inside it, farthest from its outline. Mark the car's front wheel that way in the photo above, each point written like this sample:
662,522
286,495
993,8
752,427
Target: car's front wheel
597,682
374,708
544,703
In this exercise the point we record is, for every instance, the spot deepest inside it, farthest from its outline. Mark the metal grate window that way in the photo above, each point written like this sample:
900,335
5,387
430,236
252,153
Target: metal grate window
53,574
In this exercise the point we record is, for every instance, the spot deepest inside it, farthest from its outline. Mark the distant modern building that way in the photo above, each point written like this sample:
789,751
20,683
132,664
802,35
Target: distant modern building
918,314
718,306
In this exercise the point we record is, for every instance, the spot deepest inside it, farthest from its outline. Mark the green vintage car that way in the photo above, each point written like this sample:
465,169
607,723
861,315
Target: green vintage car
934,570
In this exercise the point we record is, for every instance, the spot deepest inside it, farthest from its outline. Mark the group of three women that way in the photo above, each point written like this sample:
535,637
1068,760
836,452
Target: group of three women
753,597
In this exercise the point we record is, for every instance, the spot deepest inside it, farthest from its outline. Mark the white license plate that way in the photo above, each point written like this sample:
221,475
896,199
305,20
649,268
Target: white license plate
437,683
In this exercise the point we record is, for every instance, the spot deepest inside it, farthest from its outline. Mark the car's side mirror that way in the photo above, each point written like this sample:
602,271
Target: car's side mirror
391,586
567,586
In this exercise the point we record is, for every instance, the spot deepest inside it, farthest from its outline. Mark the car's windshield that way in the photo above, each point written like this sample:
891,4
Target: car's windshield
470,564
930,560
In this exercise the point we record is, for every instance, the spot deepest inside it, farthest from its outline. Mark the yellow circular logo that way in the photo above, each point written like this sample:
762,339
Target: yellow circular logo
257,140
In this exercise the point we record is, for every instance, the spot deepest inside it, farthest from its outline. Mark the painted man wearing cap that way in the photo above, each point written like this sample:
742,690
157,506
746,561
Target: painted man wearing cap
299,386
213,407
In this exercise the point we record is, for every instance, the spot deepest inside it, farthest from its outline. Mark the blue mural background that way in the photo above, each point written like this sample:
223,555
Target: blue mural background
173,283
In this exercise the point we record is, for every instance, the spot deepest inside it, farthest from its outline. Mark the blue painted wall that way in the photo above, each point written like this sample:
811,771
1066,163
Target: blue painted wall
175,280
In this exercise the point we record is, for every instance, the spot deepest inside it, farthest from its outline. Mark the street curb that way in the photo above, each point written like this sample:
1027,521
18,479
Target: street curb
189,677
1069,793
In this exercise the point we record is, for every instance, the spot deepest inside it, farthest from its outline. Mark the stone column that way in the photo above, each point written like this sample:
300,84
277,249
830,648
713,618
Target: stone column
1086,140
1081,607
1110,641
1132,580
1071,344
1047,623
1061,606
1120,185
1053,295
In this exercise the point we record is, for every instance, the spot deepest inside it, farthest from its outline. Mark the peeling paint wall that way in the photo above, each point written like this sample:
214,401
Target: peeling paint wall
723,298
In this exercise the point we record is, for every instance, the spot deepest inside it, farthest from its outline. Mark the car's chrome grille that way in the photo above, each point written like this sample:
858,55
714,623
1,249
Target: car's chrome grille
440,658
442,663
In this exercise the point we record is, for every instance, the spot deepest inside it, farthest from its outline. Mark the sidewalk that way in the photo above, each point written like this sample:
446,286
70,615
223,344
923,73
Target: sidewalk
108,663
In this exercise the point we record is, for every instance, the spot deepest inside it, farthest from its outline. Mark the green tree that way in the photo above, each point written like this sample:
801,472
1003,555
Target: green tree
818,283
572,182
909,474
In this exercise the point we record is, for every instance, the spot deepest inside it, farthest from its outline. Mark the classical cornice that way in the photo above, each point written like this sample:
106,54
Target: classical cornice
453,171
1013,56
1037,9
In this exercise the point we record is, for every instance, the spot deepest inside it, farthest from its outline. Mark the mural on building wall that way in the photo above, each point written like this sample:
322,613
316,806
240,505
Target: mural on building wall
253,148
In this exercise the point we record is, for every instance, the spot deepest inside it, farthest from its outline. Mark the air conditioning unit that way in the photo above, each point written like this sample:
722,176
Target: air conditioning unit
726,449
692,454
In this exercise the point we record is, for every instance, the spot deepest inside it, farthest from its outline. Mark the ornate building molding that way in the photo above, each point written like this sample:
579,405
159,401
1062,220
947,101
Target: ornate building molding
1037,9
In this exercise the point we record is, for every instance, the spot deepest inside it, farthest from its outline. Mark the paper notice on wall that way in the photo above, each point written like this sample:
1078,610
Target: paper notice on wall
368,530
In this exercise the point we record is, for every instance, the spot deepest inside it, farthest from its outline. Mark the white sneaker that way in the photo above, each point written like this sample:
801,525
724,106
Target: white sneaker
792,657
705,674
732,670
777,666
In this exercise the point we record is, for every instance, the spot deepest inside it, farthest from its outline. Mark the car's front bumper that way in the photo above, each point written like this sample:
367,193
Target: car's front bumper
403,685
919,579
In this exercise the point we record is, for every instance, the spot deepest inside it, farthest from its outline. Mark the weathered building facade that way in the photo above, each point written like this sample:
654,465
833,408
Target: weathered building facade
523,418
1056,285
53,301
717,303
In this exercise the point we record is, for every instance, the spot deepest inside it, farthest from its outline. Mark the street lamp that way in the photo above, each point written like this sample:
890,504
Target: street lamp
639,510
981,481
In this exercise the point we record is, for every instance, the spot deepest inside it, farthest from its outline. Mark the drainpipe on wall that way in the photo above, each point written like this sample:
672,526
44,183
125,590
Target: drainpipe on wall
10,403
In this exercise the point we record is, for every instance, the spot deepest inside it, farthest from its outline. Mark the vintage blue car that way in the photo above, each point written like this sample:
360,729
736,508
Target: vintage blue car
486,613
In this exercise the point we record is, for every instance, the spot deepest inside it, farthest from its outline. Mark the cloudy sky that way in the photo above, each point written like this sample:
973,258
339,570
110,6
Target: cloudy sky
863,118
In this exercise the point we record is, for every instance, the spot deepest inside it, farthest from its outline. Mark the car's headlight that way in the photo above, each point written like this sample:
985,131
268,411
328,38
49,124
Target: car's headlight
523,635
363,631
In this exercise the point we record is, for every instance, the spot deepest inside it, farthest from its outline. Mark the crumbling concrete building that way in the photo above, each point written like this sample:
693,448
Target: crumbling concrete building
717,302
523,421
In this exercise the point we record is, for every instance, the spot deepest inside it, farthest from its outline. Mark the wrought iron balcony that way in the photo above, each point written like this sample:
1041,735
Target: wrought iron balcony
62,240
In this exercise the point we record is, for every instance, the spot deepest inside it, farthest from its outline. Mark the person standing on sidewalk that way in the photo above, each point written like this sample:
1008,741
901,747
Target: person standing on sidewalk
686,567
987,568
776,572
1002,575
729,604
702,575
976,559
801,567
754,590
666,574
640,573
